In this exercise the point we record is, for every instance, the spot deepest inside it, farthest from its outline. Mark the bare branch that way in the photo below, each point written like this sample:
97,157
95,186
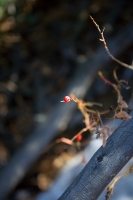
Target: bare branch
106,47
111,187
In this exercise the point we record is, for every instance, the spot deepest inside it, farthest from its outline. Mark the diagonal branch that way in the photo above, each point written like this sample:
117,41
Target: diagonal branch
104,165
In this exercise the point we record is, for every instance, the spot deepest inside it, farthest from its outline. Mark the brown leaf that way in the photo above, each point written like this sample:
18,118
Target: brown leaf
122,104
123,114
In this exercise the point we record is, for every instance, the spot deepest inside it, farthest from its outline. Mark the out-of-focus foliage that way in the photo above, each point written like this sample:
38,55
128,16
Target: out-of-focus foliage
42,43
3,4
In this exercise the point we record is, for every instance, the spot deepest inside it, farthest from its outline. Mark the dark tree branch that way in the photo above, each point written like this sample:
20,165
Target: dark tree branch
104,165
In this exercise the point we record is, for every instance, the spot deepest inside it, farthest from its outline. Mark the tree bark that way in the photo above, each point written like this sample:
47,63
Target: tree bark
103,166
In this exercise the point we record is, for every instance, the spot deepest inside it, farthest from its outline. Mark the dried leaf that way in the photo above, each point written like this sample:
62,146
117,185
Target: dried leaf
123,115
122,104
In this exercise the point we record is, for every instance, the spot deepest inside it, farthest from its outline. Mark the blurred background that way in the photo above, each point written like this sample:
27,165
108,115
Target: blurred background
49,49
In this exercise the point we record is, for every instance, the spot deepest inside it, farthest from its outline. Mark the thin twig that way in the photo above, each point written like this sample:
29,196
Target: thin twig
106,48
111,187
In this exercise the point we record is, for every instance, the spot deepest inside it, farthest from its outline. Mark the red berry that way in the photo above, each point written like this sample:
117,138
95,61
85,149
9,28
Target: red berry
67,99
79,138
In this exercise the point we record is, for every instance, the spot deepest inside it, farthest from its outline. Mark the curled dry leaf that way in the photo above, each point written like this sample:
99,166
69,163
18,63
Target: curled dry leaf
122,104
105,131
123,115
93,125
